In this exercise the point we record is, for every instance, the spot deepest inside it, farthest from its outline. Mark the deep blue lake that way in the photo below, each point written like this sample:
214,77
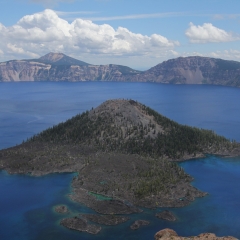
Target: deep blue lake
26,202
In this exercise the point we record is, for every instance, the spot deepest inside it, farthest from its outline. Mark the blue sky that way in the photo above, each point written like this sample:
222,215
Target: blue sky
136,33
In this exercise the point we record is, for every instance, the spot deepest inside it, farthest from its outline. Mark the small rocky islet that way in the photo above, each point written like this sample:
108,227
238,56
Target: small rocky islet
166,215
124,153
61,209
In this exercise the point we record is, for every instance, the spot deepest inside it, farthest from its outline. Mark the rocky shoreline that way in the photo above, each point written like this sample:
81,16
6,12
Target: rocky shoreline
112,206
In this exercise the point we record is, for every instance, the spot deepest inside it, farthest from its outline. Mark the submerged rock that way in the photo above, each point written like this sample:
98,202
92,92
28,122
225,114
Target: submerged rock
61,209
166,215
137,224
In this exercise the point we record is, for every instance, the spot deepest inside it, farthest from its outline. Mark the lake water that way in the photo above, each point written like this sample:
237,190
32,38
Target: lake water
26,202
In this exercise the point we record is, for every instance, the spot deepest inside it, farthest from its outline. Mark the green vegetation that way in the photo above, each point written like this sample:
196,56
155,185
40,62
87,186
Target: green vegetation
158,178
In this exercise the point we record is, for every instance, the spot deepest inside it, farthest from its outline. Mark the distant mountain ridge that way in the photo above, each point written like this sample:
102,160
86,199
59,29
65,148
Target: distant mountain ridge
60,59
182,70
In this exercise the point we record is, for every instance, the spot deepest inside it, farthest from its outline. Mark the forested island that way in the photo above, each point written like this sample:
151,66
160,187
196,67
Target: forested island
125,154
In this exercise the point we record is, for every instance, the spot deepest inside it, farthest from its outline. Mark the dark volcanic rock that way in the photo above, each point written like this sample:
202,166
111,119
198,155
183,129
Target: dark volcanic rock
81,225
137,224
105,219
104,206
166,215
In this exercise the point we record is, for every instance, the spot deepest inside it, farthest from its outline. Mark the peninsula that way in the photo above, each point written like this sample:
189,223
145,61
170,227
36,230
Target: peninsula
182,70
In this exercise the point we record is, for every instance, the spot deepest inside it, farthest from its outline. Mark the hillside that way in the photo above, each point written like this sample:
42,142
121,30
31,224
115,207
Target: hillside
122,150
59,67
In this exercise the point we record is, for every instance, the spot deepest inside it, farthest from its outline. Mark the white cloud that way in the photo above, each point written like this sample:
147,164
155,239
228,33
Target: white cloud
226,54
231,54
225,16
138,16
43,32
14,48
209,33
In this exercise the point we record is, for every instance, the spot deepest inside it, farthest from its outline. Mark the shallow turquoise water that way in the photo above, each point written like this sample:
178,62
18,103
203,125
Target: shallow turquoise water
26,202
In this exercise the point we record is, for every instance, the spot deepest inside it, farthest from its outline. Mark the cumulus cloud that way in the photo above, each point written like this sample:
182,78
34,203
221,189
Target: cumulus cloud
46,31
209,33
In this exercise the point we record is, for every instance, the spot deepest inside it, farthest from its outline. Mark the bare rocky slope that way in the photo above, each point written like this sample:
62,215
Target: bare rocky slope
59,67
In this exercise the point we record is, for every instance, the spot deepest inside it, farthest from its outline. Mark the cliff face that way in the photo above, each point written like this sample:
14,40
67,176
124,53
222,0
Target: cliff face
59,67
